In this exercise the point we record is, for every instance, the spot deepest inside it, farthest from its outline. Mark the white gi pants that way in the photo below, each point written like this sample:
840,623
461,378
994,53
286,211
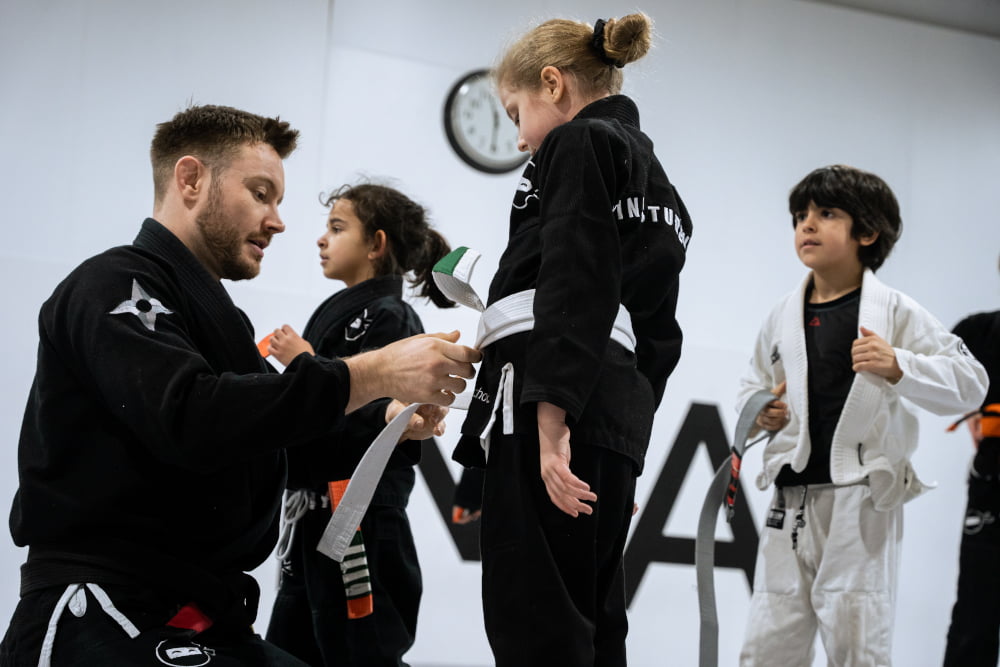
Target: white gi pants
841,580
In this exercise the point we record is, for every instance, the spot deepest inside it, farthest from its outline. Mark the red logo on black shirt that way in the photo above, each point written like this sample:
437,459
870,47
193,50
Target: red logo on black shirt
814,322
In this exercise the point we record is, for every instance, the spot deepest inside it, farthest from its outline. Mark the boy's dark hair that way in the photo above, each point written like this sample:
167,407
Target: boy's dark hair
213,134
862,195
411,243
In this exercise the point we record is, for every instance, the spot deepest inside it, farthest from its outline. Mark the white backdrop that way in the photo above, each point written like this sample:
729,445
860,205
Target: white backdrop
742,97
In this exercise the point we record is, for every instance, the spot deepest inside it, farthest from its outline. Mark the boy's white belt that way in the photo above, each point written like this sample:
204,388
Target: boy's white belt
508,316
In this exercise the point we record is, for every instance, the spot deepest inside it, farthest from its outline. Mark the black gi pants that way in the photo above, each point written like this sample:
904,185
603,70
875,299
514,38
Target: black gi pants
310,619
96,640
974,634
553,585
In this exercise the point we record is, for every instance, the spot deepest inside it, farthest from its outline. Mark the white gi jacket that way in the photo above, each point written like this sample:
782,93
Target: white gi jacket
877,431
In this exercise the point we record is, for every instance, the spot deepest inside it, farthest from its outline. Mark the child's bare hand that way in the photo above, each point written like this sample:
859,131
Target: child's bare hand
873,354
286,344
566,491
774,415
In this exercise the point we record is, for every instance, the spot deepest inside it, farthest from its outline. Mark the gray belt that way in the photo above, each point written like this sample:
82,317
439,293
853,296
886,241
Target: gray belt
726,478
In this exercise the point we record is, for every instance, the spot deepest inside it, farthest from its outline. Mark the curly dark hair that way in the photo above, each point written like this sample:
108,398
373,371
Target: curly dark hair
412,244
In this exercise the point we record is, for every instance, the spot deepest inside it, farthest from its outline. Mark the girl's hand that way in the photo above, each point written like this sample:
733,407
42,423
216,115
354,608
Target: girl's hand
286,344
567,491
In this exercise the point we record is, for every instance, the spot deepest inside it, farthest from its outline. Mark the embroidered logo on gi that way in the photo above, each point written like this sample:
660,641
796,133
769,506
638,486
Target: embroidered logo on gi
525,190
142,306
976,520
483,396
358,326
775,356
180,654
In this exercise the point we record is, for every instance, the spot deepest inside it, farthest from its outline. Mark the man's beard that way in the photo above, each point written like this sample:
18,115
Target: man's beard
223,240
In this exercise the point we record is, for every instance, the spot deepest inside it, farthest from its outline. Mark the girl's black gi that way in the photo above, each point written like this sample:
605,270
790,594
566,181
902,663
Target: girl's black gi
150,456
595,223
310,614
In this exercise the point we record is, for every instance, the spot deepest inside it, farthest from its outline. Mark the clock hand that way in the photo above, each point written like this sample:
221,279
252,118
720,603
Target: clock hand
496,130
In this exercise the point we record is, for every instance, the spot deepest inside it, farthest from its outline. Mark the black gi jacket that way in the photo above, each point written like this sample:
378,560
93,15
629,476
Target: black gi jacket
595,223
150,452
366,316
981,333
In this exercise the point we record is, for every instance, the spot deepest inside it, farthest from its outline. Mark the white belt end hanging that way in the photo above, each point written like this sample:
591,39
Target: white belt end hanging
358,495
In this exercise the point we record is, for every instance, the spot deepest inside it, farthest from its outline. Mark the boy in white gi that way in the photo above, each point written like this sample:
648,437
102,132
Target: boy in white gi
840,353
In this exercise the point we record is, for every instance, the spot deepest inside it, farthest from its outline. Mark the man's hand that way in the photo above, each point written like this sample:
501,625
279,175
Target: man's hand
774,415
426,422
566,490
873,354
428,368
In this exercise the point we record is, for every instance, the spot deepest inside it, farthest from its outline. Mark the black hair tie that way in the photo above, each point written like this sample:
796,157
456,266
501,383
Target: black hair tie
597,41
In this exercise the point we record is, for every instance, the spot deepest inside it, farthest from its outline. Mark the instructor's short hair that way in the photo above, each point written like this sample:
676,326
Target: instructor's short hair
862,195
213,134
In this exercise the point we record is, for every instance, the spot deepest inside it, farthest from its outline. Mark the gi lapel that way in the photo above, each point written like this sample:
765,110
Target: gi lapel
865,398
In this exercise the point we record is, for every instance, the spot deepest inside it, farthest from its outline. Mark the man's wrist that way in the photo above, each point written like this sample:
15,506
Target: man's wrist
364,380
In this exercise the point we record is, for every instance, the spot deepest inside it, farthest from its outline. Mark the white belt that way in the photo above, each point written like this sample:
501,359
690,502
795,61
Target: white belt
357,496
514,314
510,315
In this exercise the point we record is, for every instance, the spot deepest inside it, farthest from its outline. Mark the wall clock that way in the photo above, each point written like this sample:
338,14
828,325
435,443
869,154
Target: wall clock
477,125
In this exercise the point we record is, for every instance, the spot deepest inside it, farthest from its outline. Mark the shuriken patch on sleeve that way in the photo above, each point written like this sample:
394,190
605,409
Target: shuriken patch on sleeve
142,306
358,326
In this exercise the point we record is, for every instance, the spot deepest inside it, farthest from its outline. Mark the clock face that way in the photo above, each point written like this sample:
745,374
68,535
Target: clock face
478,128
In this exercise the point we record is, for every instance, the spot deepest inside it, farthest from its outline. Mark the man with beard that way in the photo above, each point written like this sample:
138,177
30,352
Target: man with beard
150,458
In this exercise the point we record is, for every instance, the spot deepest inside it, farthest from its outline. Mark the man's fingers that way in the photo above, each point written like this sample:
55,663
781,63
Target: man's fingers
461,353
780,389
453,385
451,336
432,412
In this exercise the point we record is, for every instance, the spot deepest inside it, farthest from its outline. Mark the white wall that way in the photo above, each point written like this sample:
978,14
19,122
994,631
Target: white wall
743,98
